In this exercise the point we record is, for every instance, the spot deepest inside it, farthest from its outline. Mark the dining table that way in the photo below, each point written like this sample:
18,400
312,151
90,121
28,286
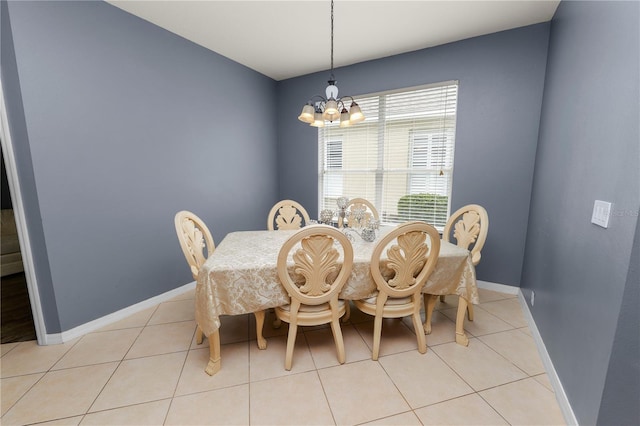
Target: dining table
241,276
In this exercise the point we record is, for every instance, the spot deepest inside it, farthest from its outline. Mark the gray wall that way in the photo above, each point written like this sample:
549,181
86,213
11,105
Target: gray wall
501,84
24,167
621,393
124,124
588,150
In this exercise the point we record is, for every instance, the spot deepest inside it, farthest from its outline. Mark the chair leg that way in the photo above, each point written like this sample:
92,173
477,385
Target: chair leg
213,366
377,333
337,337
417,326
461,337
199,335
347,313
291,343
277,323
429,304
470,311
442,298
262,342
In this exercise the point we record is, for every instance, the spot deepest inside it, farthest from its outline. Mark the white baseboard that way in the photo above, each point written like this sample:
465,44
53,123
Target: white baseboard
65,336
502,288
561,396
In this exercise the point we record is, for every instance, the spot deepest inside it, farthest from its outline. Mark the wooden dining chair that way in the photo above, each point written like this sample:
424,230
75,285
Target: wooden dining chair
197,245
468,228
409,262
287,214
313,280
195,238
360,212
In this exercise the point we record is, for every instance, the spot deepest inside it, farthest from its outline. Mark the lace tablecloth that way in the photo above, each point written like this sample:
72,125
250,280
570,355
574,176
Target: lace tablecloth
241,276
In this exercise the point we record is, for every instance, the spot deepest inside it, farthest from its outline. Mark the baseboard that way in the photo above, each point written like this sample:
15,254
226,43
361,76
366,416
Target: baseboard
561,396
502,288
81,330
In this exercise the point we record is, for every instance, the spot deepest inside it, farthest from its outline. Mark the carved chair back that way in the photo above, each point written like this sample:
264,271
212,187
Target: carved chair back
287,214
410,258
317,276
469,225
360,212
195,238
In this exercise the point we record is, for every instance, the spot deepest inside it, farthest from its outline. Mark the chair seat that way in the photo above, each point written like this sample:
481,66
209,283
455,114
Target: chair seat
313,308
390,302
311,314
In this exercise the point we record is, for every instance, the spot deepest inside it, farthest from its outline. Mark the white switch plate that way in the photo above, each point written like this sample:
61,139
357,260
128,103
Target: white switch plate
601,212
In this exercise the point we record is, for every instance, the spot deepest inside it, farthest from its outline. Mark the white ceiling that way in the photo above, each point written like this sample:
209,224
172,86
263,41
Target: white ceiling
284,39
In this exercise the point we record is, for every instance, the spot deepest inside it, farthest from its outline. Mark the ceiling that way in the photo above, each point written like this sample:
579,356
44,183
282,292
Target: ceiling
284,39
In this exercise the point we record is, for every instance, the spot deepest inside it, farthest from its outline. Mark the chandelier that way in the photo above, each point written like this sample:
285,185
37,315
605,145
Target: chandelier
330,108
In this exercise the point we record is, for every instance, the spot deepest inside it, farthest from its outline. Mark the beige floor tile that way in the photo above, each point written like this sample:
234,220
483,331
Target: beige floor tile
6,347
268,330
141,380
293,400
396,337
96,348
174,311
483,322
234,371
525,402
423,379
508,310
357,316
466,410
28,357
12,389
269,363
235,328
404,419
491,295
67,421
162,339
323,348
450,301
60,394
443,329
189,294
526,331
228,406
517,347
478,365
543,379
360,392
151,413
139,319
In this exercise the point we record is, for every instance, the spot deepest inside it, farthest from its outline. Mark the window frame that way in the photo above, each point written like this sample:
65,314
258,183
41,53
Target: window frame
446,131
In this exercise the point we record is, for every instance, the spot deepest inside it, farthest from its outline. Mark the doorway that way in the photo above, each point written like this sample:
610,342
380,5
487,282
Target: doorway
16,319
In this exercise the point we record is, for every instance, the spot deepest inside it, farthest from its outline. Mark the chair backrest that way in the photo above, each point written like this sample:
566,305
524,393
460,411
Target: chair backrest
287,214
360,212
410,258
470,225
194,237
314,278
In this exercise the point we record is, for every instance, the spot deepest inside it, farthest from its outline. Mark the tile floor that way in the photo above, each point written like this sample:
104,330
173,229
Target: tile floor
147,369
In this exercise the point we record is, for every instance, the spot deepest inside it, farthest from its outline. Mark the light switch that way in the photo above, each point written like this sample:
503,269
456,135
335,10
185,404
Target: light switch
601,212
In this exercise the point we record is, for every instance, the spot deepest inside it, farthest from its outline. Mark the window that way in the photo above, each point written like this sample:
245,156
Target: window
400,158
333,161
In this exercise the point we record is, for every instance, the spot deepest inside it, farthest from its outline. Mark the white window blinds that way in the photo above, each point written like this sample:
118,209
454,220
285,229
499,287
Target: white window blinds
400,158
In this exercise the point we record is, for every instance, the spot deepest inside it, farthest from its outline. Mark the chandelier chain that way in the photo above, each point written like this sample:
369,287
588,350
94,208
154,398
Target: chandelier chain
331,39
